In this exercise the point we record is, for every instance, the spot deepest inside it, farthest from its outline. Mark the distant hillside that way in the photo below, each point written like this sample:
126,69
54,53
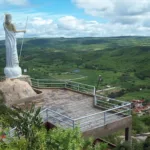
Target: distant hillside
121,60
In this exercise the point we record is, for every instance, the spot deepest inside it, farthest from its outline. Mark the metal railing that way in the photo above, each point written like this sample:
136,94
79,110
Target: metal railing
111,110
108,103
56,118
47,83
86,122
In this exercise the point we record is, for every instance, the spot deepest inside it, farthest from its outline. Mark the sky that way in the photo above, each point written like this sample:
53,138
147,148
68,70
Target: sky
78,18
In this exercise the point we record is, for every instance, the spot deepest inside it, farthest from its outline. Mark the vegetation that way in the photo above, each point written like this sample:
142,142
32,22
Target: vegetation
121,61
141,124
127,146
30,134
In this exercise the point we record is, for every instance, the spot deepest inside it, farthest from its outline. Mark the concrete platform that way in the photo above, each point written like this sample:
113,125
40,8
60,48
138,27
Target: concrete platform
67,108
73,106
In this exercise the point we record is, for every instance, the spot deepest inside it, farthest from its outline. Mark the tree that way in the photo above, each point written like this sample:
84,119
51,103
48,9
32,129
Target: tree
26,122
146,145
136,145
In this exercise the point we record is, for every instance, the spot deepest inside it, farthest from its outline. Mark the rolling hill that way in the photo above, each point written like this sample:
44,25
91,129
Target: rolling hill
122,61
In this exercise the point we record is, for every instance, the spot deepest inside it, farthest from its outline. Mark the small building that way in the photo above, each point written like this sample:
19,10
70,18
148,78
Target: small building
137,103
139,108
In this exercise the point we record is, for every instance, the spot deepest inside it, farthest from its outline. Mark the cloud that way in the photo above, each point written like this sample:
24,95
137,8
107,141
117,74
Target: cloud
47,25
95,7
80,27
14,2
121,11
114,7
70,23
39,21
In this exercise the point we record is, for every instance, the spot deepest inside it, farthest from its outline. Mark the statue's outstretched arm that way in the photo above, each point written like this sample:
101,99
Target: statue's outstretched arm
17,31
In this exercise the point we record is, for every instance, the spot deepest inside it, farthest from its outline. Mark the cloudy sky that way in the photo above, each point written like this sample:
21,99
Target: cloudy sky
78,18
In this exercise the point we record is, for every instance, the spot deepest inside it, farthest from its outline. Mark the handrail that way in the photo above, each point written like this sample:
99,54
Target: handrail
81,84
40,83
101,112
121,106
65,81
62,121
60,114
121,101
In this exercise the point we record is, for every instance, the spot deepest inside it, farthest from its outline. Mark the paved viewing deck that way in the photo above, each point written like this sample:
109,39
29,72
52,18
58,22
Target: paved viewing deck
74,106
70,104
68,108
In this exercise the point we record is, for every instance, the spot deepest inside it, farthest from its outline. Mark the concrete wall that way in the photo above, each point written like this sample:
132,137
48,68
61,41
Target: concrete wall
110,128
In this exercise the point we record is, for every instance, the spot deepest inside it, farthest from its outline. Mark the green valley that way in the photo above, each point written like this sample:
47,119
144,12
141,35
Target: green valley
122,61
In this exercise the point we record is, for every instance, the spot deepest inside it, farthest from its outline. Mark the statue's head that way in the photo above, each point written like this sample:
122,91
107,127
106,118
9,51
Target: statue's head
8,18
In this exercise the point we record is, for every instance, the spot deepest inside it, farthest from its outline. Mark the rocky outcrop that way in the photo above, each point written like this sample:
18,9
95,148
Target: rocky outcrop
14,89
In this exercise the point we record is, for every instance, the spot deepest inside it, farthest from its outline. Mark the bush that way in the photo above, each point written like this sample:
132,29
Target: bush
146,145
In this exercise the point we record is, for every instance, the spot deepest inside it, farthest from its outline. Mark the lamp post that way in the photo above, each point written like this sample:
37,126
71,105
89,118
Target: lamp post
98,82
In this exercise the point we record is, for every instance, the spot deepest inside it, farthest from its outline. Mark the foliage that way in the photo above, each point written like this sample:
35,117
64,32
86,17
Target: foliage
124,146
70,139
122,61
141,124
26,121
31,135
146,145
128,146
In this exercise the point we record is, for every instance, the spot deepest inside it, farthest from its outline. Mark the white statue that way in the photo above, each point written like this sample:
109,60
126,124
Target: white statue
12,69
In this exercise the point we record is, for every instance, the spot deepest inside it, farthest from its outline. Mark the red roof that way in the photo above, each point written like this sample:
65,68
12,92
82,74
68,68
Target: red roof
138,101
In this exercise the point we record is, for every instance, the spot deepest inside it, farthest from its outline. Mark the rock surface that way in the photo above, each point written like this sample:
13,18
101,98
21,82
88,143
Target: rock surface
14,90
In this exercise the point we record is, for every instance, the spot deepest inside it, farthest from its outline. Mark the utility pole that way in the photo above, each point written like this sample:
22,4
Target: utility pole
98,82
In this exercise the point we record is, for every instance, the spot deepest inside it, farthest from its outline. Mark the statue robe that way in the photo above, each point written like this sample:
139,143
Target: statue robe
12,69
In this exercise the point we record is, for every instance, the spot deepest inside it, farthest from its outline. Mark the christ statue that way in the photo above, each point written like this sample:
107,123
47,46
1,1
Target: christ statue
12,69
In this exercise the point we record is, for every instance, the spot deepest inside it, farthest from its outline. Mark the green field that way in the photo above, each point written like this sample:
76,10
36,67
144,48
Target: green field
121,61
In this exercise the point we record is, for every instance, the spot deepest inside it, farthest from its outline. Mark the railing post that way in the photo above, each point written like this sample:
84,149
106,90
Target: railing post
78,87
94,91
47,115
104,118
95,100
65,84
130,109
37,83
73,124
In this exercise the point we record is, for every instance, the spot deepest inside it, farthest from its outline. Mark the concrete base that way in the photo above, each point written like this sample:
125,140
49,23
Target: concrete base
125,123
12,72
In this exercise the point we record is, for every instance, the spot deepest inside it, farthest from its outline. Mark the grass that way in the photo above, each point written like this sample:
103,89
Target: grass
143,94
67,75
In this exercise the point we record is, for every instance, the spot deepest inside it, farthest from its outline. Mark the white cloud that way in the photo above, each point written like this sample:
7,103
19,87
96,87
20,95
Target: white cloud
96,7
46,25
114,7
80,27
70,23
121,11
14,2
39,21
